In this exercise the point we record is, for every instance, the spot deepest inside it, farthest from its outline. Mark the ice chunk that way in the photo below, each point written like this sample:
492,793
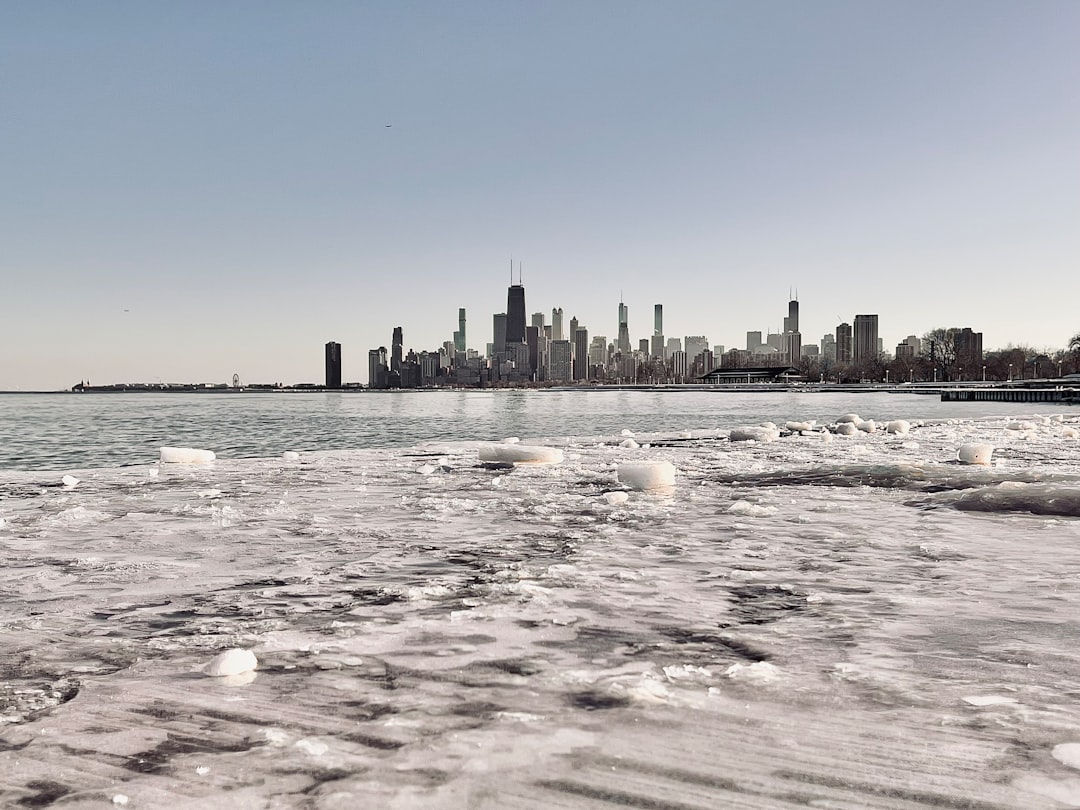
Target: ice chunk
853,418
975,453
511,440
869,426
1020,426
425,469
1070,433
629,444
643,475
898,426
754,434
231,662
120,799
311,746
799,427
616,498
520,454
989,700
758,672
627,432
846,429
69,481
290,455
750,509
1067,754
186,455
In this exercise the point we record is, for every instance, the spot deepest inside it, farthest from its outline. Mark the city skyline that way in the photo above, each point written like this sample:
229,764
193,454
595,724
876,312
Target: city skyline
218,189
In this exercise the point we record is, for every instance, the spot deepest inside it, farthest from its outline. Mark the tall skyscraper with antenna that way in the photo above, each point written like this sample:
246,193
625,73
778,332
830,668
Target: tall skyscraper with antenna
623,341
515,310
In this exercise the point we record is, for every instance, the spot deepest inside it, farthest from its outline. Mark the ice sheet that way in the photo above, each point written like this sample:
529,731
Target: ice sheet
797,623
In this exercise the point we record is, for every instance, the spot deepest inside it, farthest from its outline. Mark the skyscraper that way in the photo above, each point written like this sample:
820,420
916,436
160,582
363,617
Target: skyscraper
459,335
396,349
556,324
333,365
843,343
623,340
498,339
864,338
377,368
791,322
658,319
581,354
515,314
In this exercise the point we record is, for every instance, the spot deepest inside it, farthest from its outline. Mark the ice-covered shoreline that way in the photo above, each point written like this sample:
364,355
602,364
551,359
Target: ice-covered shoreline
851,620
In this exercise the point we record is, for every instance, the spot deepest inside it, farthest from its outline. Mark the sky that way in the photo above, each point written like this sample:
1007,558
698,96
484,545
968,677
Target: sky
194,190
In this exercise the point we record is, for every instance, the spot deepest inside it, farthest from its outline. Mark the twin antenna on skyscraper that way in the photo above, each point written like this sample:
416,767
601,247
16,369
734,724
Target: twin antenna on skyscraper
512,271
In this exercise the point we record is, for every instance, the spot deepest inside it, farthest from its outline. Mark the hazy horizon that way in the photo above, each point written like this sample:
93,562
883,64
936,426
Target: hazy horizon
215,188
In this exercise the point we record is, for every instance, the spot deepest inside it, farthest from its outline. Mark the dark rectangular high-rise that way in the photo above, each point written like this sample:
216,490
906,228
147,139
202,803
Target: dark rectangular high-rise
515,315
843,343
864,338
581,353
333,365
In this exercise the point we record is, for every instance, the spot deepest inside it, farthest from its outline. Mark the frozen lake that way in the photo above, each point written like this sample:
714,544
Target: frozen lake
816,621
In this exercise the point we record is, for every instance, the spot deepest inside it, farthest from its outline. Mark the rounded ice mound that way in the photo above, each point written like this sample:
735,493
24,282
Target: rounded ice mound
231,662
754,434
846,429
799,427
69,481
520,454
616,498
898,426
290,455
1021,425
1070,433
186,455
1067,754
511,440
975,453
629,444
626,432
854,418
643,475
869,426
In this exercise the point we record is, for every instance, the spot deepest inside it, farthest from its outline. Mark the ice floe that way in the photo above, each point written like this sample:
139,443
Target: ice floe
520,454
185,455
231,662
646,475
975,453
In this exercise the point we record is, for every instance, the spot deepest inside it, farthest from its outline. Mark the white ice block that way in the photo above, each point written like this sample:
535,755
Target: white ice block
753,434
231,662
869,426
799,427
290,455
846,429
643,475
975,453
70,481
898,426
520,454
186,455
854,418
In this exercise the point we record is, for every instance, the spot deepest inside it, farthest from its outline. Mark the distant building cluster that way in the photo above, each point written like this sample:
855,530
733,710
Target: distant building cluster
537,350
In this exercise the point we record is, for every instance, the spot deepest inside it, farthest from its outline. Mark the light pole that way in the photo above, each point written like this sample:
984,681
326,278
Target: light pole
960,377
984,373
1010,372
886,376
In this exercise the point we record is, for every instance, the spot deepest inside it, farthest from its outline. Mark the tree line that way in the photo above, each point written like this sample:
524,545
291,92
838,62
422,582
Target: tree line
944,357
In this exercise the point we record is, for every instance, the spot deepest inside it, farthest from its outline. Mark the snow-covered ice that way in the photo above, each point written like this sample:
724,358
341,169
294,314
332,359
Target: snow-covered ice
856,623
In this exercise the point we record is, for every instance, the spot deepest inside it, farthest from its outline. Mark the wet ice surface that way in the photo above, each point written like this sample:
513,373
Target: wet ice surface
832,621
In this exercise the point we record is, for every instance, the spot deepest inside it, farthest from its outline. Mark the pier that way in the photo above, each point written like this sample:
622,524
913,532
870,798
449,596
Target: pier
1066,396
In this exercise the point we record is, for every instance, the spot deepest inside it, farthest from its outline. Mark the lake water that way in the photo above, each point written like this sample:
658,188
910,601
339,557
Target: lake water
818,620
56,431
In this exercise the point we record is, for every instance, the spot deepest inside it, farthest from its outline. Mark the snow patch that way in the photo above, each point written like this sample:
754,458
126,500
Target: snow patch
520,454
231,662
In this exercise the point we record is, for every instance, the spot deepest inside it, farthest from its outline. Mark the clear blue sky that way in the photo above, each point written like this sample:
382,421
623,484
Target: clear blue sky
189,190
